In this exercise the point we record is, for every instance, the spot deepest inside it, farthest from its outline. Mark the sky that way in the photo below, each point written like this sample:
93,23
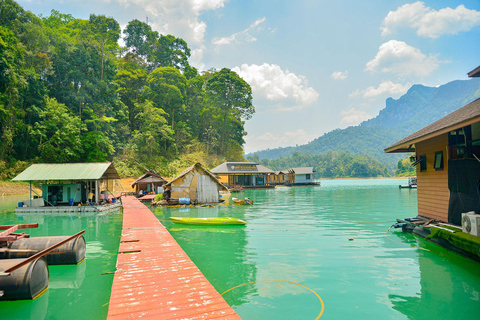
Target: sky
313,66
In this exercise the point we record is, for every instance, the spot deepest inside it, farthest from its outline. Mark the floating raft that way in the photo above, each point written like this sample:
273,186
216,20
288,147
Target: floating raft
208,221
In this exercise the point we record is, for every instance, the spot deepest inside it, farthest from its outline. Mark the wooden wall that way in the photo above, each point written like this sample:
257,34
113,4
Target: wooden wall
433,194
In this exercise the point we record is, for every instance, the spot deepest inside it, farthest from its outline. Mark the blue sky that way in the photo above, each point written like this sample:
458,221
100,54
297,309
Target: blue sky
314,66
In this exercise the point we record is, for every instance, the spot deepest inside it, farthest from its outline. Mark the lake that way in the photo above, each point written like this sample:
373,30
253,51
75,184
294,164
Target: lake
330,241
305,251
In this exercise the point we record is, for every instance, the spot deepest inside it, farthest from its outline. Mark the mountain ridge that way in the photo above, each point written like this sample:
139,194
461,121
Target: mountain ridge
418,107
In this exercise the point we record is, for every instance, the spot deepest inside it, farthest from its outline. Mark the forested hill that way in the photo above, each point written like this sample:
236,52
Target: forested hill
70,93
417,108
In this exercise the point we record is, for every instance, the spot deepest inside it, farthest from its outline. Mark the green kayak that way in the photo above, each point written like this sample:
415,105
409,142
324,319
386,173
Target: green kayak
207,221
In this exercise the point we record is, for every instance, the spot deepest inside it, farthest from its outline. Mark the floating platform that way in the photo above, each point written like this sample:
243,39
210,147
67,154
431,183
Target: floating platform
67,210
155,279
446,235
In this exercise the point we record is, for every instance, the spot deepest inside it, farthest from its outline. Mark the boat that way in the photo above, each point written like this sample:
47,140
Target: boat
242,202
207,221
412,183
236,188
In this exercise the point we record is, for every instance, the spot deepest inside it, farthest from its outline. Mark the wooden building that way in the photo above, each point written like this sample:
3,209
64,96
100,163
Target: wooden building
447,160
245,174
196,183
70,183
279,178
149,182
303,176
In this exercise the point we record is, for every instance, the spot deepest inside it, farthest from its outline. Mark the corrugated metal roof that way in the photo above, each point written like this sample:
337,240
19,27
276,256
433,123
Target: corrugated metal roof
302,170
233,167
68,171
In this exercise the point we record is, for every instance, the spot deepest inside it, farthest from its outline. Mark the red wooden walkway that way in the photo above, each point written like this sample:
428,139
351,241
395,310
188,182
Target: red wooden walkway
155,279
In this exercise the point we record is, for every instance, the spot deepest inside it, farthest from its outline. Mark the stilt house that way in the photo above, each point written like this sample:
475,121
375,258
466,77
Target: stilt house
149,182
447,160
196,183
70,183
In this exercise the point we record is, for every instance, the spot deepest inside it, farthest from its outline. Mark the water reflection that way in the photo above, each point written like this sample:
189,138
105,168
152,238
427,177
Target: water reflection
75,291
218,251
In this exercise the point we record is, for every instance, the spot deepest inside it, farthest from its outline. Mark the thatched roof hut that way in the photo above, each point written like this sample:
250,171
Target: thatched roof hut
149,182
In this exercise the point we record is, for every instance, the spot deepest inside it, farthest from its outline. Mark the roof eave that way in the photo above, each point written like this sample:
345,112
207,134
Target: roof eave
396,148
475,73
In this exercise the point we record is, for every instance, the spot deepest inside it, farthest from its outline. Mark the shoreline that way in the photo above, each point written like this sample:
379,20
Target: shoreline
10,188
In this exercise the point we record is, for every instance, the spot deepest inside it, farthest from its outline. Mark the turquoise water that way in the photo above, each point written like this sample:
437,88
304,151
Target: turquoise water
330,239
75,291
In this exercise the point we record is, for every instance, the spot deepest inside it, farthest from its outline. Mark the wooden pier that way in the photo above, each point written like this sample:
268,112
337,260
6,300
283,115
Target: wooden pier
155,279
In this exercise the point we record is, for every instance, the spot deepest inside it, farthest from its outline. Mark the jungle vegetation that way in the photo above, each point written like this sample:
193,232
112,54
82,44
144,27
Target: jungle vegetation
70,93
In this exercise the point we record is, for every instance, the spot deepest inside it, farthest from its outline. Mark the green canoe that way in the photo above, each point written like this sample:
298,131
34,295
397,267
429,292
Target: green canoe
207,221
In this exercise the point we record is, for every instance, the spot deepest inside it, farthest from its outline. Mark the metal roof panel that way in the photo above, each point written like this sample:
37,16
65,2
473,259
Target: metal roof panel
68,171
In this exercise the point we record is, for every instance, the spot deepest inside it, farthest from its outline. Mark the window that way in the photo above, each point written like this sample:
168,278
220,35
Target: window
307,176
438,164
423,162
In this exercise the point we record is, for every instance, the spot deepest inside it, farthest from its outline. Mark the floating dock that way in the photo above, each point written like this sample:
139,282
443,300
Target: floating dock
155,279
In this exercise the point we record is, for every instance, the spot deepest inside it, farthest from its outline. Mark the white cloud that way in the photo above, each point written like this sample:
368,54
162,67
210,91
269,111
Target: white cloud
353,117
240,36
270,140
386,87
399,58
429,22
339,75
180,18
270,82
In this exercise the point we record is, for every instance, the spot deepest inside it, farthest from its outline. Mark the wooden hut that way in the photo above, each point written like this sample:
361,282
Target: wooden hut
447,160
149,182
196,183
245,174
303,176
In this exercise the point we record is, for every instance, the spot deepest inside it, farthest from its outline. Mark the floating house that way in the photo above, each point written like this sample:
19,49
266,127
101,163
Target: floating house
279,178
196,183
149,182
245,174
447,160
303,176
69,184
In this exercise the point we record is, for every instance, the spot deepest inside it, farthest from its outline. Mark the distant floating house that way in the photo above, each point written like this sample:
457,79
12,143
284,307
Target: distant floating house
245,174
149,182
447,160
196,183
303,176
279,178
68,184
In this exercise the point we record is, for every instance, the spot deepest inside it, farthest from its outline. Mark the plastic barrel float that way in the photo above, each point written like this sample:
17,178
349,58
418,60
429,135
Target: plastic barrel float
28,282
72,252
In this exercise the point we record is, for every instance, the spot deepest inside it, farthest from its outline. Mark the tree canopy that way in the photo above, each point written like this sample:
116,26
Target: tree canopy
69,92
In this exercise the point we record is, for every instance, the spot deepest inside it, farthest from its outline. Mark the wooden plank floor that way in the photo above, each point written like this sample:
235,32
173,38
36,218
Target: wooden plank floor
155,279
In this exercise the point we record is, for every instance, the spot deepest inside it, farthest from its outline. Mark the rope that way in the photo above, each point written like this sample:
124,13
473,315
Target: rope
298,284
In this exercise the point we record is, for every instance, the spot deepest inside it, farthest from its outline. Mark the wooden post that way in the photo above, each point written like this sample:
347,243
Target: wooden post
30,194
96,192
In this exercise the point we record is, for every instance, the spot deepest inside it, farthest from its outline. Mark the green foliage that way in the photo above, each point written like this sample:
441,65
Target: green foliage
10,170
69,93
405,168
58,134
329,165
